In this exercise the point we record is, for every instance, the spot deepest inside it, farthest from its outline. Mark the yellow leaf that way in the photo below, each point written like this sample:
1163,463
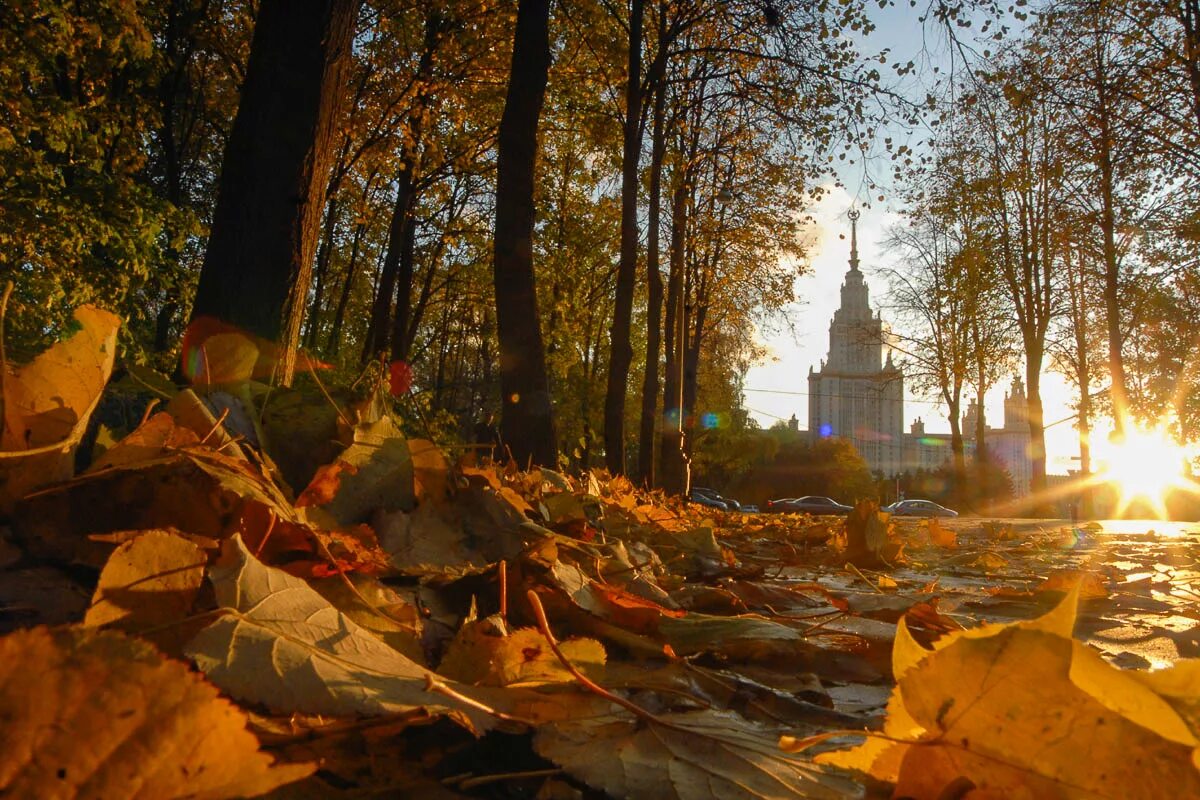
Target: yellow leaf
1022,710
147,582
47,404
97,714
942,537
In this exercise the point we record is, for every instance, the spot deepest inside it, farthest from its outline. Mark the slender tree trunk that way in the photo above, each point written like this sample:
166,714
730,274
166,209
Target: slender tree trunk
527,415
621,350
672,466
654,281
1083,368
324,255
259,258
334,343
1111,291
401,226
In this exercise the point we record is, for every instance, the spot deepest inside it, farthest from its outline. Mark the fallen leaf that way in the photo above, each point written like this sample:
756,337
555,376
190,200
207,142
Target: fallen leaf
47,404
868,536
940,536
195,490
281,645
382,477
97,714
150,440
1092,585
431,471
1023,710
324,485
148,582
484,652
701,754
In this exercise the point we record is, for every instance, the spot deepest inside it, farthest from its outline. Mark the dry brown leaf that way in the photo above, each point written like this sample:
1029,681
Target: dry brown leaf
97,714
47,404
148,582
485,653
431,471
1092,585
154,436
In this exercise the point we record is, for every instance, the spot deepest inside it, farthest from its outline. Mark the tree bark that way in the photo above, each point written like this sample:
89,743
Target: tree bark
621,350
672,464
527,416
339,315
259,259
654,305
324,255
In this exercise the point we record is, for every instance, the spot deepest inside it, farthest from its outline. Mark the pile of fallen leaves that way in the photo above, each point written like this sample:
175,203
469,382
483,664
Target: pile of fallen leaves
260,590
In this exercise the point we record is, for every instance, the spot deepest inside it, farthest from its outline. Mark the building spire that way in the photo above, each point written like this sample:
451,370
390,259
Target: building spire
854,214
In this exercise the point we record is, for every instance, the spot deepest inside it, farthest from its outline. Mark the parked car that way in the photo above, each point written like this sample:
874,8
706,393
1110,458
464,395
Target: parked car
728,503
809,504
919,508
750,509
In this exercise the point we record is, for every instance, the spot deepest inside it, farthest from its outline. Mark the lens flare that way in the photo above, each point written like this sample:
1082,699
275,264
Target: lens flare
1145,466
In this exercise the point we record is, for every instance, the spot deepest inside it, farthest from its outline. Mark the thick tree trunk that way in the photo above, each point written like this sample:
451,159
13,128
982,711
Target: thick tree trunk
259,259
527,417
654,305
621,350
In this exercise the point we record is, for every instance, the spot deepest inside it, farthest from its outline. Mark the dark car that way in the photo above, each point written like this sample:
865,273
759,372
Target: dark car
707,497
918,508
712,494
809,504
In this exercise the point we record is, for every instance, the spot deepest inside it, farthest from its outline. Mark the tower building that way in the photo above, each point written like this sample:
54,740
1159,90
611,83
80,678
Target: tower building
857,394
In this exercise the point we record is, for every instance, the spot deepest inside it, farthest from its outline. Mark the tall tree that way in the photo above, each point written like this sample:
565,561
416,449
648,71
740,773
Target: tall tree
527,421
265,225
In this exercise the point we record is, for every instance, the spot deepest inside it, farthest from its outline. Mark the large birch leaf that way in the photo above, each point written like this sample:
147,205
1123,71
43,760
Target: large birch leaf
282,645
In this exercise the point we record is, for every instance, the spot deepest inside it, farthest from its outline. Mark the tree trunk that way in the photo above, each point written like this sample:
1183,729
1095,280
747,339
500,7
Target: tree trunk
654,283
401,226
527,417
324,255
1112,300
621,350
672,464
339,315
259,258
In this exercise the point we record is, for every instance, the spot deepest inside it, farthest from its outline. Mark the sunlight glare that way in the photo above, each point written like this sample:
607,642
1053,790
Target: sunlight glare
1145,466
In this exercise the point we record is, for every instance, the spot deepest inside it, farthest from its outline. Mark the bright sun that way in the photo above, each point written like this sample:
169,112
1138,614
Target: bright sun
1146,466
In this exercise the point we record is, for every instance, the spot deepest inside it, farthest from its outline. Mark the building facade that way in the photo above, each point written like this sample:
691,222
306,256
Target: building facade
857,394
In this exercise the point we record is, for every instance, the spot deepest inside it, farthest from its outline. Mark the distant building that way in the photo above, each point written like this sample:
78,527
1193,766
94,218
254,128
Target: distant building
858,394
1008,446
